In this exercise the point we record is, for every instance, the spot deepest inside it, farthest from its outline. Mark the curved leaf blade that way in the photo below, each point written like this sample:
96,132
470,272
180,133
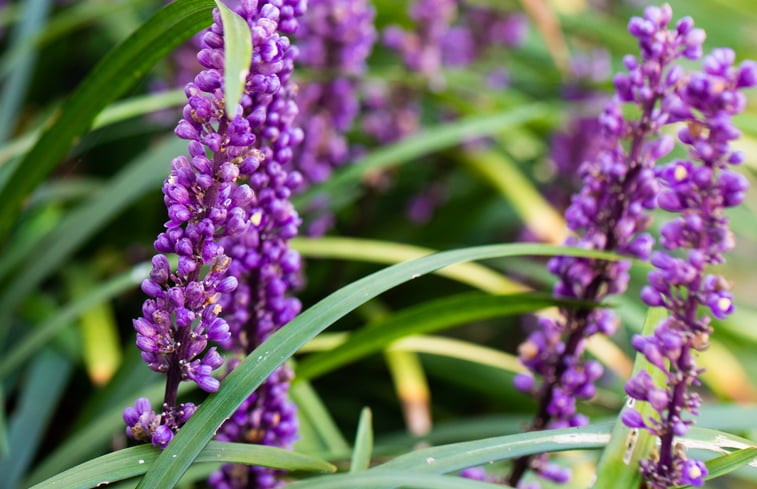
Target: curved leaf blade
259,364
389,253
371,480
118,71
134,461
425,318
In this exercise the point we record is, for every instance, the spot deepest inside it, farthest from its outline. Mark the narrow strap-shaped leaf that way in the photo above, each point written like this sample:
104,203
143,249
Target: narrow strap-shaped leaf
259,364
370,480
119,111
116,73
619,464
458,456
388,252
361,453
237,46
424,318
720,466
463,350
134,461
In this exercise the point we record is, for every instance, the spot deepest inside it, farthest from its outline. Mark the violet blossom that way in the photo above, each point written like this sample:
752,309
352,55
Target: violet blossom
230,220
266,268
610,213
697,190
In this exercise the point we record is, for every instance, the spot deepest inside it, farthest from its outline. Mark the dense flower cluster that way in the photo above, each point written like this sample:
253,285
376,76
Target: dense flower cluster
697,190
230,220
610,213
266,268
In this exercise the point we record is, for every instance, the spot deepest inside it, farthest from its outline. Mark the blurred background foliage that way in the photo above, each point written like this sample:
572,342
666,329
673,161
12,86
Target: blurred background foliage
71,262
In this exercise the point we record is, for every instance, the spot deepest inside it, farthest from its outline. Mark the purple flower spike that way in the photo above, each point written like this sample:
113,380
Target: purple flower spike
263,270
697,190
611,213
229,221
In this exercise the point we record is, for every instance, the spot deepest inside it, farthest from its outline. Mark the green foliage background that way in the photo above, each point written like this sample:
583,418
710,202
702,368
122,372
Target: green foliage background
84,146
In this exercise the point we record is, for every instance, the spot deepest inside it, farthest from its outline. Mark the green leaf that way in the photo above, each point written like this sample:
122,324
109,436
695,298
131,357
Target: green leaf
726,464
259,364
115,74
371,480
424,318
387,252
361,453
462,350
97,433
136,460
456,456
119,111
33,17
237,45
619,463
424,142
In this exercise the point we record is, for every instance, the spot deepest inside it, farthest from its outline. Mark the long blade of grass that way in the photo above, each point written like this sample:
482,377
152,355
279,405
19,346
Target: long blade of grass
370,480
134,461
388,252
119,111
425,318
280,346
116,73
463,350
